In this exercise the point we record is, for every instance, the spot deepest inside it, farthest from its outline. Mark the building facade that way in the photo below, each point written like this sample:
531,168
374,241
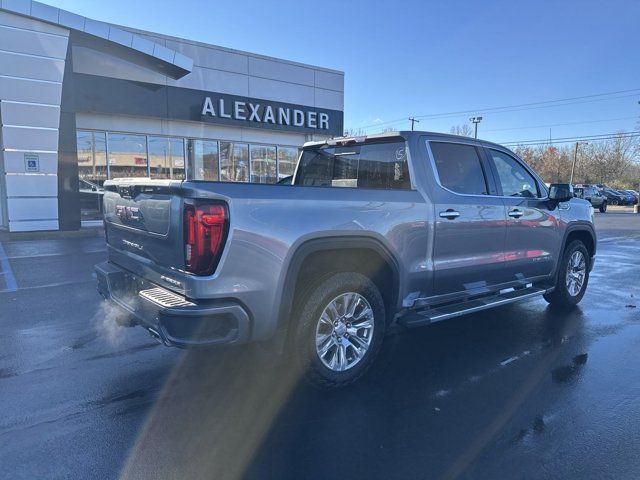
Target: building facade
82,101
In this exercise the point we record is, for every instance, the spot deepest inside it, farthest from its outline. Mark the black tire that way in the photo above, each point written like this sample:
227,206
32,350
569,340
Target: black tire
560,296
307,318
603,207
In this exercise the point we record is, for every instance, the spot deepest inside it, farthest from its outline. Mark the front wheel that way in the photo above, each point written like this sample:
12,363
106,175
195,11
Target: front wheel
572,277
603,207
339,329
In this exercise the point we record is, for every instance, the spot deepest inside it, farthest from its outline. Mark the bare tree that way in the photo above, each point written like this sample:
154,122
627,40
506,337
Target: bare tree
463,130
354,132
614,161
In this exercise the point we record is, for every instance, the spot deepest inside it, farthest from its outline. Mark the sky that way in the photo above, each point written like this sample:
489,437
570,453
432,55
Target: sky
427,58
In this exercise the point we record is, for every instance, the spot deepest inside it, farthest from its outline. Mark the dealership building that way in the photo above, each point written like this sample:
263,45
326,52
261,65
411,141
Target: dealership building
82,101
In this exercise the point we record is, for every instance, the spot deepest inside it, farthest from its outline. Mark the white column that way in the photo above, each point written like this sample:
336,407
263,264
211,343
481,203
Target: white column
32,58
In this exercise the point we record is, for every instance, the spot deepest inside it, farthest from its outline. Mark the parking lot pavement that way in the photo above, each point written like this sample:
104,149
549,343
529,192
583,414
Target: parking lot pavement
517,392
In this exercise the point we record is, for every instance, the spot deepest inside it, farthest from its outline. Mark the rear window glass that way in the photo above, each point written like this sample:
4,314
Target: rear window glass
376,165
459,168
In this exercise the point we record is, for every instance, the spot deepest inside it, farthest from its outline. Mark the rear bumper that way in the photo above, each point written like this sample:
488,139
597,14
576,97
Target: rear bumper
175,320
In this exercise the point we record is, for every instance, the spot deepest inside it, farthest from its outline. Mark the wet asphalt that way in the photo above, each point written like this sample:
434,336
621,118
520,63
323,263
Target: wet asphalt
519,392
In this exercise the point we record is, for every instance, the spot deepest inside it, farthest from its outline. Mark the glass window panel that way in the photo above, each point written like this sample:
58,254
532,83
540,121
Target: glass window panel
234,162
166,157
203,160
377,165
263,164
459,168
383,165
92,157
92,172
287,160
514,178
159,157
127,155
176,152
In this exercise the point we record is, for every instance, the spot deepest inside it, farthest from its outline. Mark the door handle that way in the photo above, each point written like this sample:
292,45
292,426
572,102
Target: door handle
516,213
450,214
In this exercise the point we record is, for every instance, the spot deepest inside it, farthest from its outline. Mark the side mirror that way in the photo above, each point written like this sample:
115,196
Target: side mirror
560,192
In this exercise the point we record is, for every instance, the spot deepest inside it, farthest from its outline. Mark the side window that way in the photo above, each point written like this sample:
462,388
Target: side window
459,168
515,180
376,165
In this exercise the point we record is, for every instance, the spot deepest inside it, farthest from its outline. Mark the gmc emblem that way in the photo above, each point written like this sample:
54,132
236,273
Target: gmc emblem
127,213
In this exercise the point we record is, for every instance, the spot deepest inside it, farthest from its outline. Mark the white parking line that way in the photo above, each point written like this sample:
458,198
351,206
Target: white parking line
5,266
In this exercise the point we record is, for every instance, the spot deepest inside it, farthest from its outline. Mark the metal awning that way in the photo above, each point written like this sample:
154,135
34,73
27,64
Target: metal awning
155,56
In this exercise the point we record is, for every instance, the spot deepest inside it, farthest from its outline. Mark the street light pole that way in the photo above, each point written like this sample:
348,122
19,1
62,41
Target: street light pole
575,158
475,121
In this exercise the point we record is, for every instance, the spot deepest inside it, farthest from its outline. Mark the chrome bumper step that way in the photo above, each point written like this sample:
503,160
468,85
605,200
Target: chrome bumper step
425,316
164,298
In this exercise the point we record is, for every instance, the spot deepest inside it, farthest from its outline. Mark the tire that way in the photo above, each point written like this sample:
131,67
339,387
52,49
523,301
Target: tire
603,207
564,295
319,327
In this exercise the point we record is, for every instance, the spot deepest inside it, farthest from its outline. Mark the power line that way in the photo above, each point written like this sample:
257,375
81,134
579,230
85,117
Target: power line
520,107
604,136
509,111
560,124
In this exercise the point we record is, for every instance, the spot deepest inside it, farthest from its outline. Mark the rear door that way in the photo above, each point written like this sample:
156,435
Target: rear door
532,233
468,253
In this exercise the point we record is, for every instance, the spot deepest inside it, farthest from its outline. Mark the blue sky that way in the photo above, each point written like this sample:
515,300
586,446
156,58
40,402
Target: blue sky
422,58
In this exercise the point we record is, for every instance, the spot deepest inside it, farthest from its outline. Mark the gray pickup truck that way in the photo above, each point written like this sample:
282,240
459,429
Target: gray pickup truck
408,227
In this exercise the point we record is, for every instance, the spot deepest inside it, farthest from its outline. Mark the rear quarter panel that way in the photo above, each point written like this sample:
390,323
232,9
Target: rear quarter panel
268,223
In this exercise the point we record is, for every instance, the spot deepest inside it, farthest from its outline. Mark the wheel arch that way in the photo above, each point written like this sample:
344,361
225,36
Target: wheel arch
341,253
586,234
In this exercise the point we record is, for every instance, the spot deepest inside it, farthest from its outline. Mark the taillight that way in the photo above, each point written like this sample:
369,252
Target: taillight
205,229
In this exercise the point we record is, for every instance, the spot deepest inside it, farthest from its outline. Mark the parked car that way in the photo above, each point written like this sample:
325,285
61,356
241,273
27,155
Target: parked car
406,227
90,195
635,194
613,197
630,197
591,194
627,199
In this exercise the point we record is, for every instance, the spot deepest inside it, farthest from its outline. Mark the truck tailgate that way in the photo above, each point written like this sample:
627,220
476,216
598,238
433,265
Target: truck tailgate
143,223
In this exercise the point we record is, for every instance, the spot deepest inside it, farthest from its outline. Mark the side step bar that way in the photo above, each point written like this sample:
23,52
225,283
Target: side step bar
424,317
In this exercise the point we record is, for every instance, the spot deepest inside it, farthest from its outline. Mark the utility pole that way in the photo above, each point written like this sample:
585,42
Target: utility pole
413,120
475,121
575,158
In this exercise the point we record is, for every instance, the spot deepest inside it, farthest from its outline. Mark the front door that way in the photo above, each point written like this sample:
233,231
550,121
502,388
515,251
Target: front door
468,252
533,233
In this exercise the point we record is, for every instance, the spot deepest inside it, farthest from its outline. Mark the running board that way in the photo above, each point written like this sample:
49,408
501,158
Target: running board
424,317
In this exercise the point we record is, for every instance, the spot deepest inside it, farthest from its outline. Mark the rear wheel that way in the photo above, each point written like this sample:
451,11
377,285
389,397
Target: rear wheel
572,278
339,329
603,207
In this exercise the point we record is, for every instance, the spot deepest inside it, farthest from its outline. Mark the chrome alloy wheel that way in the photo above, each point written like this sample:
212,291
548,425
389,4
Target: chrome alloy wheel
576,273
344,331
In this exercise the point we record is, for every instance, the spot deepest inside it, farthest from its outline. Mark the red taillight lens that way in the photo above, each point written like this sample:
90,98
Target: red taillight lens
205,228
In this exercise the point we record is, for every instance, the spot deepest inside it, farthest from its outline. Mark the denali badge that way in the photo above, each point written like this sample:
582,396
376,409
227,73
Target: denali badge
127,213
170,280
132,244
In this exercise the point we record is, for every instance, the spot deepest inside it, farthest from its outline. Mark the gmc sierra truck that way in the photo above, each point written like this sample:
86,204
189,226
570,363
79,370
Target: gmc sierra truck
406,227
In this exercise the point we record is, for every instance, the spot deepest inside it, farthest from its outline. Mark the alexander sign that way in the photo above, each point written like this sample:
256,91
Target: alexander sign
251,111
97,94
